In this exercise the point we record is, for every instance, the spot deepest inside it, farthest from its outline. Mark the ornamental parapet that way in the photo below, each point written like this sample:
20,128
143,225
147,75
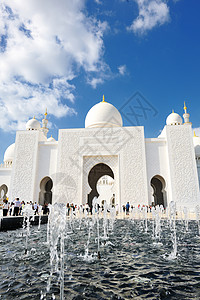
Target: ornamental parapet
6,165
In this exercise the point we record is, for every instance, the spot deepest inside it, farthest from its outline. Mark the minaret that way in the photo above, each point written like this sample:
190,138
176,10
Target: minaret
186,116
44,128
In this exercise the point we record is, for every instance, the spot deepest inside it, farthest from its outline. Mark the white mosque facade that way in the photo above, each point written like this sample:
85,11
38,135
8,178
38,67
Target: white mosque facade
145,171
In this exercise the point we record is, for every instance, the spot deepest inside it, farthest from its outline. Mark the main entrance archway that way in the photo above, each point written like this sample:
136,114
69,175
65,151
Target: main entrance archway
45,195
159,193
95,174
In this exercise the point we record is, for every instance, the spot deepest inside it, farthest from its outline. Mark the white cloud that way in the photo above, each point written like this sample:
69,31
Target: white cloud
151,13
44,46
95,81
122,70
105,74
98,1
20,101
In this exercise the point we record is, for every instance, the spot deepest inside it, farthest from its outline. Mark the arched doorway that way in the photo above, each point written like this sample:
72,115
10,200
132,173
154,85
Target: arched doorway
3,192
45,195
159,193
95,174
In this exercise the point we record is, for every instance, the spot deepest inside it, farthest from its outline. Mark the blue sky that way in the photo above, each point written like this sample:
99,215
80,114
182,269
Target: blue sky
64,56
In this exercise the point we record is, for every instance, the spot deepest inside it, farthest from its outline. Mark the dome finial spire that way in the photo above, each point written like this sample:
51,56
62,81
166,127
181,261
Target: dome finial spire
103,99
45,113
185,108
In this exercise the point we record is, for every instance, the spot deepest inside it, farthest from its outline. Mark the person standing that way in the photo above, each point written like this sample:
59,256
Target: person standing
87,207
5,208
16,207
127,208
68,209
35,207
21,208
45,209
11,209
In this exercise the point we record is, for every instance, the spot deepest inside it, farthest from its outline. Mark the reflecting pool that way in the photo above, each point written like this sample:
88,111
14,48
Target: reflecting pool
98,259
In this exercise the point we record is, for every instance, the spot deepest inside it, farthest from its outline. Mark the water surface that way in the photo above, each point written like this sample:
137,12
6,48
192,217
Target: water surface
133,264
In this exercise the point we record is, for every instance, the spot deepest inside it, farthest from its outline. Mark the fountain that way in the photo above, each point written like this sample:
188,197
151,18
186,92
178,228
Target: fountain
153,255
28,214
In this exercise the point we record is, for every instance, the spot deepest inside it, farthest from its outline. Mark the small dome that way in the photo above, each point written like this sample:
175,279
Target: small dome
33,124
51,139
103,114
9,153
174,119
196,142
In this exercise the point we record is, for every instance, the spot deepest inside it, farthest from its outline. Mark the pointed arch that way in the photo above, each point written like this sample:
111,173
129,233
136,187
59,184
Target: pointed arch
45,194
158,184
94,175
3,191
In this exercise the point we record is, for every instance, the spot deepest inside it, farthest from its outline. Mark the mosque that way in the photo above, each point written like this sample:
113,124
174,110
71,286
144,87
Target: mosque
145,171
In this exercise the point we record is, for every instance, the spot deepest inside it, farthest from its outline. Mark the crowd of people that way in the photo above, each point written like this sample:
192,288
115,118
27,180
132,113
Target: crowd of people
15,208
85,208
128,208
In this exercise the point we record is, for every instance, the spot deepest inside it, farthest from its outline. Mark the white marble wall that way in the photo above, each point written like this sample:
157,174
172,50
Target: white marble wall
133,173
25,165
183,170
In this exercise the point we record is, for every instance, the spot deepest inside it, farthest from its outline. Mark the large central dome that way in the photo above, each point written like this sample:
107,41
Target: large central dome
103,114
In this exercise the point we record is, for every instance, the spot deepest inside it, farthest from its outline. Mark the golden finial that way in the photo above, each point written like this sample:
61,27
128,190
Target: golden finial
185,108
172,111
33,117
45,113
195,134
51,135
103,99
